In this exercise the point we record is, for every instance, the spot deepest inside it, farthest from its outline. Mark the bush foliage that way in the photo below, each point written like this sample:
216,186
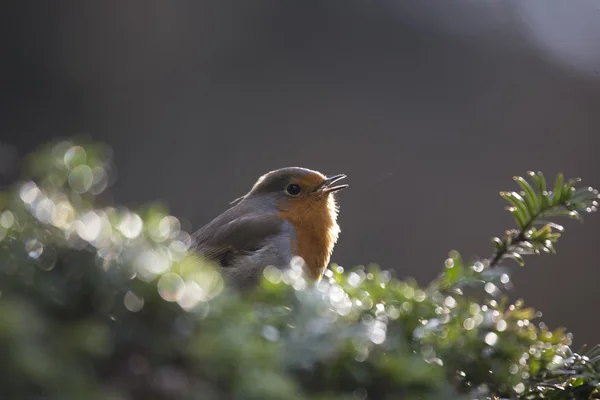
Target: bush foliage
101,302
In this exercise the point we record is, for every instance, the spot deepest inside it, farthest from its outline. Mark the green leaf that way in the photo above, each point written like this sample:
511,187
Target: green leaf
519,218
493,274
497,242
558,189
577,382
454,272
569,190
521,212
584,195
521,203
548,247
540,181
542,233
530,196
552,225
553,237
535,366
563,213
517,257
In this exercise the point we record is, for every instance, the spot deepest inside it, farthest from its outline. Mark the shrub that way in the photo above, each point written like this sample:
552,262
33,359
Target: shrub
101,302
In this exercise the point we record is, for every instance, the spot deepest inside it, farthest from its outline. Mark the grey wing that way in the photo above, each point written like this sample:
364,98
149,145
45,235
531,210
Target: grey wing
226,241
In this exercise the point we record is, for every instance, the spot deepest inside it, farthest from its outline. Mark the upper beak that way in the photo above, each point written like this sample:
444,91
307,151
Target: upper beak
326,187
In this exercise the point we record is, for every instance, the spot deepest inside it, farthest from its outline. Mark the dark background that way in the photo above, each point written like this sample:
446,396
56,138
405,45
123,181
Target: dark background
429,107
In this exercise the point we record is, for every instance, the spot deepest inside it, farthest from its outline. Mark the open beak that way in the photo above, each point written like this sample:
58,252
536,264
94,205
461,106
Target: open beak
326,187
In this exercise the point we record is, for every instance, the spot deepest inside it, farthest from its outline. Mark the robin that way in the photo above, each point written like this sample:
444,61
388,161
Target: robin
288,212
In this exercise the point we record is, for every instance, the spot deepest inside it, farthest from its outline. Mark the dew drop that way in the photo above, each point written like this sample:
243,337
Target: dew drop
450,302
336,294
44,210
377,335
89,226
491,338
171,287
478,266
420,295
469,324
270,333
47,260
273,274
169,226
63,214
59,150
354,279
407,307
34,248
29,192
362,354
150,263
75,156
210,281
7,219
393,312
491,288
131,225
81,178
192,296
501,325
297,265
133,302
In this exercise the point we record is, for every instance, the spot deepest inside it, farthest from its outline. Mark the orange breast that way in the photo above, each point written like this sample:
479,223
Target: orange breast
316,233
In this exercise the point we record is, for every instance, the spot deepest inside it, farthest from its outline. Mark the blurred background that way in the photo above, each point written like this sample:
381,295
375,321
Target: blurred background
429,107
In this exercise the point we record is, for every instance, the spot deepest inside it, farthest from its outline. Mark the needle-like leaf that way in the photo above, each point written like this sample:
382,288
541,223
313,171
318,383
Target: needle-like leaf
520,209
558,189
530,196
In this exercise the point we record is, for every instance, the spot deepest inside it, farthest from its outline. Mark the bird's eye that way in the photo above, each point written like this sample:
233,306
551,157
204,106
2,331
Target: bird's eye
293,190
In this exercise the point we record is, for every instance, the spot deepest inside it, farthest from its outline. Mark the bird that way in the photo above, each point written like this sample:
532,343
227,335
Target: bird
289,212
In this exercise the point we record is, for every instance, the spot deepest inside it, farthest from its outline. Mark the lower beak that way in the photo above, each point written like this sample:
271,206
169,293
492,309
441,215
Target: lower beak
326,185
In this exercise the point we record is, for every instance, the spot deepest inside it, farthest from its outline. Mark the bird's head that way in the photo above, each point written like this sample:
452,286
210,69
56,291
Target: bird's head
298,193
